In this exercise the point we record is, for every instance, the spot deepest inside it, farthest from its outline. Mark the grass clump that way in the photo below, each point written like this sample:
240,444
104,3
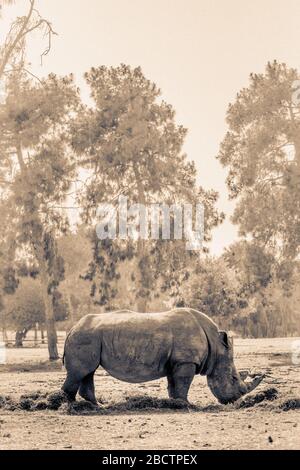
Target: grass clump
270,394
290,404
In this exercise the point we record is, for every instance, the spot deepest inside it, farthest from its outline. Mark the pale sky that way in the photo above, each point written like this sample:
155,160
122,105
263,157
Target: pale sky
199,52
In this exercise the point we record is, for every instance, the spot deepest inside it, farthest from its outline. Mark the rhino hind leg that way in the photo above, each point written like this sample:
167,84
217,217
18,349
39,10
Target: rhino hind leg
70,387
81,363
87,388
180,379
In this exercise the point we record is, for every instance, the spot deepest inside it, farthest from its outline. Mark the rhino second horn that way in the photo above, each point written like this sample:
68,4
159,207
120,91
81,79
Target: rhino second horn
254,383
244,374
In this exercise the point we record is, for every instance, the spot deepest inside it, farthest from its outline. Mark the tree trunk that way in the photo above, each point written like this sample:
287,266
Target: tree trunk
20,335
48,303
35,334
4,334
141,300
71,311
52,339
141,249
19,339
142,304
49,313
50,326
42,333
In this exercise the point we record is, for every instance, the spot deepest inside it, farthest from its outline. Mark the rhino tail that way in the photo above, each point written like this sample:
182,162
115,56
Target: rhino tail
64,353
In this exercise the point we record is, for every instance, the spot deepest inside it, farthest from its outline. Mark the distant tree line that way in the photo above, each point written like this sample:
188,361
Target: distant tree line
55,149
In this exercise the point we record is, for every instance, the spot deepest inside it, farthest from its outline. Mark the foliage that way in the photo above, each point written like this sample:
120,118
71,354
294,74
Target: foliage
241,293
132,146
75,248
214,289
37,169
26,307
262,153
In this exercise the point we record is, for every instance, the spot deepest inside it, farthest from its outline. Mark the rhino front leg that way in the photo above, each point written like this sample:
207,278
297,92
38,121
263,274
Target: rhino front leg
180,379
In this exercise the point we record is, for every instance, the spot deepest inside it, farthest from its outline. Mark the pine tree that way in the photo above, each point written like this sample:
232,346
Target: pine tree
131,144
262,152
36,163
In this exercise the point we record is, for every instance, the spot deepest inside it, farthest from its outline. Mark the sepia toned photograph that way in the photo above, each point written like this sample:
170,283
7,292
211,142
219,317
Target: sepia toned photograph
149,228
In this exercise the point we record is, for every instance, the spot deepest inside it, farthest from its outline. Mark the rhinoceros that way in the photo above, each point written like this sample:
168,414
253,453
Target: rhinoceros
139,347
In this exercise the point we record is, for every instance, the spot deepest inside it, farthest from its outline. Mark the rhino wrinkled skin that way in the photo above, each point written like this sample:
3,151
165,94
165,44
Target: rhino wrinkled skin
139,347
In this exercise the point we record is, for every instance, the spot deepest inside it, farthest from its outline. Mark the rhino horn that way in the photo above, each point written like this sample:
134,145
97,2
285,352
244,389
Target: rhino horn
254,383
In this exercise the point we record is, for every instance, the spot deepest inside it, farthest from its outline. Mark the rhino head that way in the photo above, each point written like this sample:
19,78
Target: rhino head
224,381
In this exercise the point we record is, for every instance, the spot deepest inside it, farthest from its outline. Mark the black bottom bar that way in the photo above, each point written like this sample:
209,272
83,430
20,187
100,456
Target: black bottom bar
137,459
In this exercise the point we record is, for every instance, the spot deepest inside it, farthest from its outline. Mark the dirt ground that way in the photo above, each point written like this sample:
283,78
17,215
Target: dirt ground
212,426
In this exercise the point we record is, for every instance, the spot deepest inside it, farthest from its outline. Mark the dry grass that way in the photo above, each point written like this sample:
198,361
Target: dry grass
38,401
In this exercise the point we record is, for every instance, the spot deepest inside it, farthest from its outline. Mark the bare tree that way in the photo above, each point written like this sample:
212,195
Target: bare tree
12,52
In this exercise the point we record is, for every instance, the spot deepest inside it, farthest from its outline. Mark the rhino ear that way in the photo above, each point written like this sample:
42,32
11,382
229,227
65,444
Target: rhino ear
224,338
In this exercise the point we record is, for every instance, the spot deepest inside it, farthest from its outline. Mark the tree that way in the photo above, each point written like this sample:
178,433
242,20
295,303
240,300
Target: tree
39,169
8,276
267,290
214,289
254,265
75,248
262,153
12,52
26,308
131,144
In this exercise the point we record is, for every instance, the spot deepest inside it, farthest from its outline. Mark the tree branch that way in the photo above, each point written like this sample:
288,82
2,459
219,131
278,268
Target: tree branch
17,39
